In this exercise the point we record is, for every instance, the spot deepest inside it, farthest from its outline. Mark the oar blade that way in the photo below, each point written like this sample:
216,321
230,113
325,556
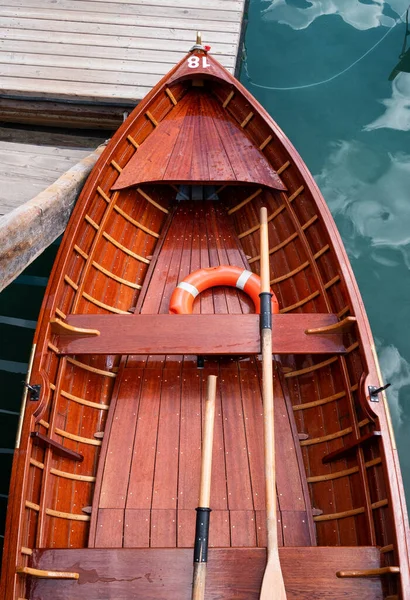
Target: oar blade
273,586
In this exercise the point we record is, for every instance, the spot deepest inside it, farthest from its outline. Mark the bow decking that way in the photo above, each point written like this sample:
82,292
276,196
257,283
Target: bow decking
106,474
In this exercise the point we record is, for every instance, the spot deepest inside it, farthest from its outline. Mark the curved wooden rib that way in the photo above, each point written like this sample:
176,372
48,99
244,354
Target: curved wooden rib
296,194
151,201
70,282
319,402
26,551
104,195
134,222
63,515
59,327
321,252
60,313
380,504
247,119
340,515
373,463
74,476
32,505
276,248
84,402
291,273
256,227
344,311
245,202
327,438
103,305
77,438
300,303
265,143
331,476
228,99
332,282
91,222
283,167
116,166
124,249
171,96
320,365
81,252
86,367
151,118
130,284
36,463
133,142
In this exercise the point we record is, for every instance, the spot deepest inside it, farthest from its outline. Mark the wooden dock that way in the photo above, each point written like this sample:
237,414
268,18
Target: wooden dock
40,183
107,52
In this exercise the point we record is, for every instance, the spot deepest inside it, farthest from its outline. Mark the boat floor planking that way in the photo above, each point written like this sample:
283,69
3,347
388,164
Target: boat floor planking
136,419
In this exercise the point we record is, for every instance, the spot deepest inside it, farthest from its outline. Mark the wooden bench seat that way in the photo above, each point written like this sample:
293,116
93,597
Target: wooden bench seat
197,334
154,574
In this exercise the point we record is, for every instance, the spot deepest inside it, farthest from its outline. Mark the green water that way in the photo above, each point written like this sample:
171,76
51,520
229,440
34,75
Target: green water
352,132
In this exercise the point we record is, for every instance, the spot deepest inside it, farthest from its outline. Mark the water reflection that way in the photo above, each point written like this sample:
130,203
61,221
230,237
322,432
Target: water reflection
397,113
369,187
300,14
397,371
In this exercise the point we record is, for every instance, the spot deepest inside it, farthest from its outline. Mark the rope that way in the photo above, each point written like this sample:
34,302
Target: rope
310,85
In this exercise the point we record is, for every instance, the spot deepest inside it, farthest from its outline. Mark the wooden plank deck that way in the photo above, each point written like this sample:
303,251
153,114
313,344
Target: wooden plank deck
27,169
30,161
106,51
148,496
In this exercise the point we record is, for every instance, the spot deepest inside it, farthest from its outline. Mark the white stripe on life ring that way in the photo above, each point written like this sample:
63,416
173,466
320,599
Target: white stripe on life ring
243,278
191,289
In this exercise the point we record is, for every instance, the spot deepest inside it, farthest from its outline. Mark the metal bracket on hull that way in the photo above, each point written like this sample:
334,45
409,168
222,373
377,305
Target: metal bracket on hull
375,391
33,390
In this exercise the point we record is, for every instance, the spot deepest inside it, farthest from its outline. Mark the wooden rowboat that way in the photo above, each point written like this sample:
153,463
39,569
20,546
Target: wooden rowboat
107,465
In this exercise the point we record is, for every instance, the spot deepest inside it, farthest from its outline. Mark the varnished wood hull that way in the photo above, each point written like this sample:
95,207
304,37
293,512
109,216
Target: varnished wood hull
115,462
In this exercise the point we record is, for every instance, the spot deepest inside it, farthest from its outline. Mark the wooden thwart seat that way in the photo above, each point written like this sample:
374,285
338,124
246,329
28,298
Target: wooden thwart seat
309,572
197,334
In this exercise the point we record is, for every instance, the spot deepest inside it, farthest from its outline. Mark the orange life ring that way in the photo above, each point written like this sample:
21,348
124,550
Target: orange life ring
183,296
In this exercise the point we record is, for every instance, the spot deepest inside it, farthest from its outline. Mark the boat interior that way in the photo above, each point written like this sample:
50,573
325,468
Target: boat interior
114,443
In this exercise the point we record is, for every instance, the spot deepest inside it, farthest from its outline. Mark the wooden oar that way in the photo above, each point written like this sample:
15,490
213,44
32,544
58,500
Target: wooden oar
203,510
273,586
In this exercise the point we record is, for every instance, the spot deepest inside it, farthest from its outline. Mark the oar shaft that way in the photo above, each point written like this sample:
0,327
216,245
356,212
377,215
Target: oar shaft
203,510
267,387
207,443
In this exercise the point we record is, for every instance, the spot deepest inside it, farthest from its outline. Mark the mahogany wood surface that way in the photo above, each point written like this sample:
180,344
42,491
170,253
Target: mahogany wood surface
197,334
186,147
133,417
158,574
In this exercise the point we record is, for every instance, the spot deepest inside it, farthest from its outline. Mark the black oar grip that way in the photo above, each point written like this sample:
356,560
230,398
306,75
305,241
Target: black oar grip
201,534
266,310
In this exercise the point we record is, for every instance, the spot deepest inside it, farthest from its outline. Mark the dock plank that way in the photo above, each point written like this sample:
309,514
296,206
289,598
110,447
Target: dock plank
60,50
30,169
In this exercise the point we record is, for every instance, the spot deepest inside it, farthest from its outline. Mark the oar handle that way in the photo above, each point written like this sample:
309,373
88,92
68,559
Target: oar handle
203,510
